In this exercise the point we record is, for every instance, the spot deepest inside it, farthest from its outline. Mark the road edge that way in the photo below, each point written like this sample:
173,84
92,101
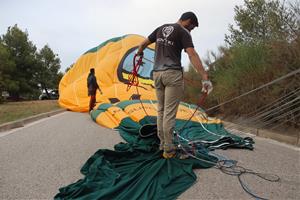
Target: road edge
22,122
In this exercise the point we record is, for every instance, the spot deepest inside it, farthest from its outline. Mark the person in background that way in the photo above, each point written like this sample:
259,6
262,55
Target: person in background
92,88
170,39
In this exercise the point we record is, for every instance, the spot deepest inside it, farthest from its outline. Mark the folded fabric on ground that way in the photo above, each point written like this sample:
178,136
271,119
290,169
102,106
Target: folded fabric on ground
136,169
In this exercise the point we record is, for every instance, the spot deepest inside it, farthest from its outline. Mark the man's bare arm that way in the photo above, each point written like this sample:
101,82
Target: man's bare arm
196,62
142,46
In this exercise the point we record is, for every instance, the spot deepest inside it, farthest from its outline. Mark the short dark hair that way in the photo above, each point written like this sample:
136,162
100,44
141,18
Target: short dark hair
92,70
191,16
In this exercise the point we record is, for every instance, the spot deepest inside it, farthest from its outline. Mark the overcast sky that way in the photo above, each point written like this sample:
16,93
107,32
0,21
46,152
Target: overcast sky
71,27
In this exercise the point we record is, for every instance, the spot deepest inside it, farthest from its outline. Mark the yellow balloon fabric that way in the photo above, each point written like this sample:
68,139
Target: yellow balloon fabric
112,61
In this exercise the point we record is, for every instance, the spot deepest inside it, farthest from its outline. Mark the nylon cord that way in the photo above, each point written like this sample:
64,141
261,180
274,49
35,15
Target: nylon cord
260,87
277,109
272,104
235,170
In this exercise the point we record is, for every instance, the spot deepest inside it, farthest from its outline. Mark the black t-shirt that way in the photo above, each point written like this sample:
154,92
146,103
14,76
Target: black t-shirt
92,84
170,40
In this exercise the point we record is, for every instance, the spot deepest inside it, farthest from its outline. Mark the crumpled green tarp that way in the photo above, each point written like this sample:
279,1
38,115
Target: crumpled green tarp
136,169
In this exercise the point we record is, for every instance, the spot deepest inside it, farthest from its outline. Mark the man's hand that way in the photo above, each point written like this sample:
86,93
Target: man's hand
142,46
207,86
139,53
100,91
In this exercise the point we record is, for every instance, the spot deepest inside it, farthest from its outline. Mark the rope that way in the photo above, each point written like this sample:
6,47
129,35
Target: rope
265,108
229,167
137,90
190,82
280,116
295,116
275,111
274,103
225,165
133,77
262,86
269,116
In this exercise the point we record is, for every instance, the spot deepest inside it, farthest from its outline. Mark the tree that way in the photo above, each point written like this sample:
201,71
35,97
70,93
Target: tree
48,75
261,48
7,66
22,52
58,78
264,20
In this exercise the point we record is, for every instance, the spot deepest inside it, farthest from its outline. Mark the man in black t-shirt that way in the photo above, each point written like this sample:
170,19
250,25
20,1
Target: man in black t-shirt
170,39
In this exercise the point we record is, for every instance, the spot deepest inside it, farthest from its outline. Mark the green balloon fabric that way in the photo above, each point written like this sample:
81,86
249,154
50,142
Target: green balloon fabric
132,174
137,170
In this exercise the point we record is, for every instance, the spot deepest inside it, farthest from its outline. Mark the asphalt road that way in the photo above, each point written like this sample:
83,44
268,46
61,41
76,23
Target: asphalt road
38,159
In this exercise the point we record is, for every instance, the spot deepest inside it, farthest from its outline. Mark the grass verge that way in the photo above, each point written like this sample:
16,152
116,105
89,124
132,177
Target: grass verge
12,111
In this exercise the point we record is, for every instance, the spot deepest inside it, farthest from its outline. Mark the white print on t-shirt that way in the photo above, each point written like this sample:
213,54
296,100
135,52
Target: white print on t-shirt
166,31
